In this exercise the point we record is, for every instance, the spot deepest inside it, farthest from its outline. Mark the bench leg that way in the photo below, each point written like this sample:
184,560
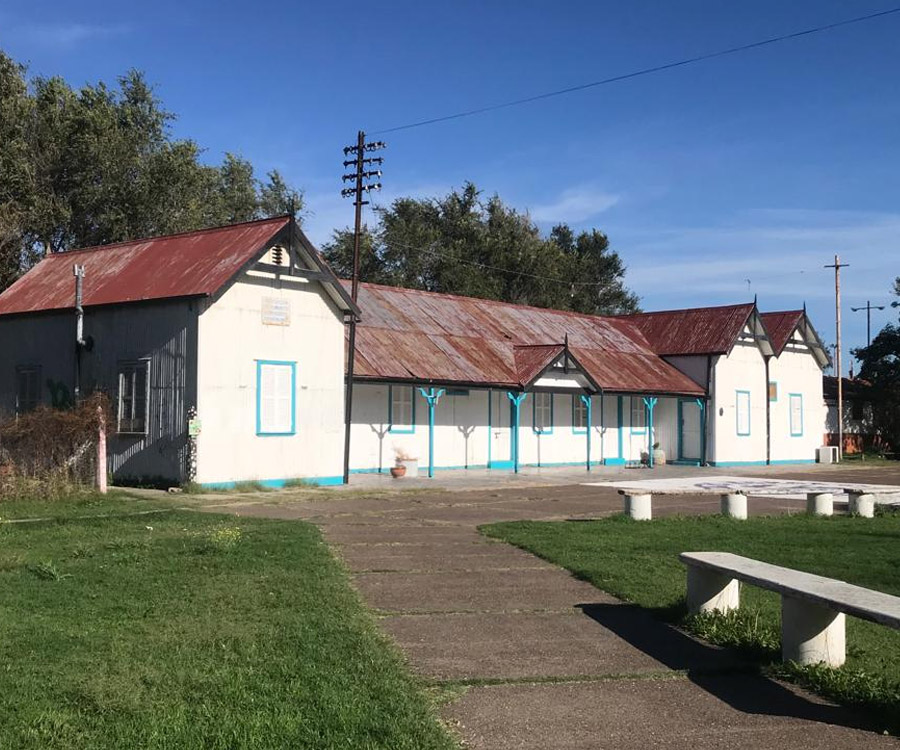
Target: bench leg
734,506
811,634
709,591
820,503
638,507
862,504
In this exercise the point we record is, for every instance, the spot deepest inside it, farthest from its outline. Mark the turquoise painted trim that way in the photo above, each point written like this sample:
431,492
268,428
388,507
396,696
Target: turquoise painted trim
432,396
783,461
737,415
621,455
588,406
702,428
534,429
277,363
275,484
791,397
685,462
650,404
501,465
763,463
642,430
516,400
390,414
613,461
575,401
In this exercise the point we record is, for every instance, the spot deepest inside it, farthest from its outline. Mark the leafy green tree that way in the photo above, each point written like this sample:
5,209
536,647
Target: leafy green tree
462,244
99,165
881,368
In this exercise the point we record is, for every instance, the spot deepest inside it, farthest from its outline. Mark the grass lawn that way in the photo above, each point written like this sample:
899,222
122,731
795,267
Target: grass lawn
637,561
187,630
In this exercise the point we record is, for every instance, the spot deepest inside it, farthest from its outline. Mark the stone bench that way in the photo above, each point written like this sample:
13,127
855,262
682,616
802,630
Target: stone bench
639,502
813,608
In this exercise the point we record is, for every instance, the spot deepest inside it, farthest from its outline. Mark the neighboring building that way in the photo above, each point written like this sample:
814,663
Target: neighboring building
859,425
245,324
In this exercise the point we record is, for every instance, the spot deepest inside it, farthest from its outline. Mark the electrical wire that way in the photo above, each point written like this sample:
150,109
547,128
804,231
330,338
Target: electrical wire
642,72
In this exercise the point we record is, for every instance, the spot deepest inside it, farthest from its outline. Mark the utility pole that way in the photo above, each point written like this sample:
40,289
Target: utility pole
362,173
868,308
837,266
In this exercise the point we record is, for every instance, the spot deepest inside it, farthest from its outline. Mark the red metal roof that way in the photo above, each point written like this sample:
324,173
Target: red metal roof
699,330
780,326
407,334
180,265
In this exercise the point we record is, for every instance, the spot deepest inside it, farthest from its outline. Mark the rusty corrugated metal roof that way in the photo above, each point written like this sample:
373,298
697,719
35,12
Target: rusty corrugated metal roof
699,330
780,326
407,334
181,265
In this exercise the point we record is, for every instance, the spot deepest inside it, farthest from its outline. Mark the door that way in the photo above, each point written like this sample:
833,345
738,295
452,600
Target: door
690,430
500,419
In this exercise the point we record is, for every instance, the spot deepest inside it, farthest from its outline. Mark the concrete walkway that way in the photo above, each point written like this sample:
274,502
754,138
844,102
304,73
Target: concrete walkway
538,659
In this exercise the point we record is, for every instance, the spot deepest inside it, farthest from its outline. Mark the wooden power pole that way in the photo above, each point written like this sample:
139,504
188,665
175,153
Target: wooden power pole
837,266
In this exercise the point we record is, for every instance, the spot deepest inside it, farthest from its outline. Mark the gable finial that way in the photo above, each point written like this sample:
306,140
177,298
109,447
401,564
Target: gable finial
754,300
804,307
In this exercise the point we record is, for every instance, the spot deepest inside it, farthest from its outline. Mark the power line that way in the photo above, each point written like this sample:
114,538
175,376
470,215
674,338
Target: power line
644,71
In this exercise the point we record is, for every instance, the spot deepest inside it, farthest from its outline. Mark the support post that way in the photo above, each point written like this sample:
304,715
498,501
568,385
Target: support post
710,591
862,504
650,403
701,402
734,505
586,400
638,506
432,396
101,452
820,503
516,399
811,634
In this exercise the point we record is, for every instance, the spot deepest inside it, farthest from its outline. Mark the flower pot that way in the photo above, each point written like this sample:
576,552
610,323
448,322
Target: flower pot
411,465
659,457
398,471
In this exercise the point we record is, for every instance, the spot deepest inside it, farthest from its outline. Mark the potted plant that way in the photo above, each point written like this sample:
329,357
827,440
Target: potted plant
409,463
398,471
659,455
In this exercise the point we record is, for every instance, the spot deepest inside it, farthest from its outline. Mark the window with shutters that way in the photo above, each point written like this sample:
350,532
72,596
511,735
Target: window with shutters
276,397
638,416
402,409
134,398
579,414
796,414
542,413
28,388
742,412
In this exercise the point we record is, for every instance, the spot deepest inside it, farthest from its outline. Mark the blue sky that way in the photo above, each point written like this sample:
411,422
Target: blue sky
714,182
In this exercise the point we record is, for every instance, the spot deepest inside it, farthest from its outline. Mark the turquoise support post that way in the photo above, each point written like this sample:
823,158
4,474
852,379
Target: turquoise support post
516,399
432,396
586,400
701,402
650,403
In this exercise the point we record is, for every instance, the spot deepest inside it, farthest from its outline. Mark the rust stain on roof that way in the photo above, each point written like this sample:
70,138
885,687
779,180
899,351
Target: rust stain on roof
780,326
407,334
700,330
181,265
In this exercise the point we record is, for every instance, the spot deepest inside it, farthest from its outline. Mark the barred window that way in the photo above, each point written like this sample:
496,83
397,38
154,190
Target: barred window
28,388
133,397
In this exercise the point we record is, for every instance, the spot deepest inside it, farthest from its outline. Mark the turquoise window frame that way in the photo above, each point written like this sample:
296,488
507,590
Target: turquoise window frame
390,409
791,397
640,430
576,400
260,363
737,414
534,412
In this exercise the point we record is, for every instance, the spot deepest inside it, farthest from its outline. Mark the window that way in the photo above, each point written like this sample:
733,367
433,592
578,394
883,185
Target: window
796,414
276,397
857,410
579,414
133,382
742,412
638,415
542,414
773,390
28,389
402,408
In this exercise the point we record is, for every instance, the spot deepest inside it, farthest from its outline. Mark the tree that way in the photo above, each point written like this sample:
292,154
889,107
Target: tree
461,244
881,368
99,165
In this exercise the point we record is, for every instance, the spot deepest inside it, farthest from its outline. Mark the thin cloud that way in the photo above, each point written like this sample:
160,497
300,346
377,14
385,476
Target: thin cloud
575,205
68,35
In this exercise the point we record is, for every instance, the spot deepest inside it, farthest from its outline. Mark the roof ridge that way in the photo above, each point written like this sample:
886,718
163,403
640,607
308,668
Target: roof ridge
136,240
683,309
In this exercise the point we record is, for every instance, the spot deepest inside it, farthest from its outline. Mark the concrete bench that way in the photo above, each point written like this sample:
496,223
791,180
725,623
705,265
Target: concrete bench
638,503
813,608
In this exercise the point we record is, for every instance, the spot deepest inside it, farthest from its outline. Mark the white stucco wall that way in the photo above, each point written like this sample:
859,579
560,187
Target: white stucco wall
796,371
232,338
742,370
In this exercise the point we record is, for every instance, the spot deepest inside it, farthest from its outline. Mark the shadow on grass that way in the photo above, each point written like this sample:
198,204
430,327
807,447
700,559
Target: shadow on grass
724,673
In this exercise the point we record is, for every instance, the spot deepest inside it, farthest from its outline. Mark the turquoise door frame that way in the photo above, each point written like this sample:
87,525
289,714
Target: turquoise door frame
701,405
493,462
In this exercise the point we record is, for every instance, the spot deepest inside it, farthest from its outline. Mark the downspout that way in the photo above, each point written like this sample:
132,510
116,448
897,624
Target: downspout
766,358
